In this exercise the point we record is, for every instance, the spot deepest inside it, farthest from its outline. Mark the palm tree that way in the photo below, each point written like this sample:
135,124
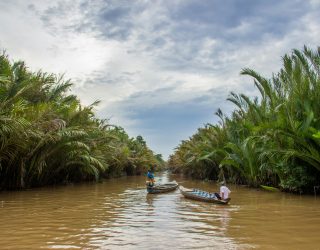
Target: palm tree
270,139
47,136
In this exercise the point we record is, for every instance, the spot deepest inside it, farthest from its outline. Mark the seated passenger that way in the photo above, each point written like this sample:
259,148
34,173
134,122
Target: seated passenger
224,191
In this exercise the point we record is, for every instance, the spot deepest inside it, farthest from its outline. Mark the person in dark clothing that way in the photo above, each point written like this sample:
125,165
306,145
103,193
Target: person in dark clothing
150,178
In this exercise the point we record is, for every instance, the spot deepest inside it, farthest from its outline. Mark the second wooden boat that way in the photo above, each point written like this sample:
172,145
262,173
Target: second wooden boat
202,196
162,188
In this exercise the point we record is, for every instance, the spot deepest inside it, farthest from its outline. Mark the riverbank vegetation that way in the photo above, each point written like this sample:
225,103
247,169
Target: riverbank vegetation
272,139
48,137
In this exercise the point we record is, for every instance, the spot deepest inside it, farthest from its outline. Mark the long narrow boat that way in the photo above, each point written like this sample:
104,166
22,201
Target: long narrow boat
162,188
201,196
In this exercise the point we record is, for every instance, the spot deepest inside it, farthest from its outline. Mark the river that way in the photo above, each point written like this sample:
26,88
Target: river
119,214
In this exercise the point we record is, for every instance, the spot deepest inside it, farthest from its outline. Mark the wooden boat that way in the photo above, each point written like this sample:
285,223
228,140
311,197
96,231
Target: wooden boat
202,196
162,188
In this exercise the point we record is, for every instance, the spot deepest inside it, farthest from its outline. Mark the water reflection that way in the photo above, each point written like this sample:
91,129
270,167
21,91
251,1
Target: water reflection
150,200
119,214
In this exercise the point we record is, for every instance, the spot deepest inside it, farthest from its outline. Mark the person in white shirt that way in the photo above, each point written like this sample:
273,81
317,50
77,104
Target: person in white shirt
224,191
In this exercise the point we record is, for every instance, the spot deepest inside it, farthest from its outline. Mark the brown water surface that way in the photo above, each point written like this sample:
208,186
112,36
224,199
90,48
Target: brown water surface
119,214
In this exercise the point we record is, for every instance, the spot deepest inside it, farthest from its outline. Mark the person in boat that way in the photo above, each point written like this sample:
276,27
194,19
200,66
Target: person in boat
150,178
224,191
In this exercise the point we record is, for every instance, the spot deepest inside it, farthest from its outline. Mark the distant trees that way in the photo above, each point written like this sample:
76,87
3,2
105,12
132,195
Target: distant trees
47,136
271,140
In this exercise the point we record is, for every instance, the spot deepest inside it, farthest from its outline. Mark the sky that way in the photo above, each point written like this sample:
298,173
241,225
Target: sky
160,68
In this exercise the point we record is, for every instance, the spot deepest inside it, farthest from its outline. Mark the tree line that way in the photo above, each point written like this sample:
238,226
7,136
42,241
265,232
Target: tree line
48,137
272,139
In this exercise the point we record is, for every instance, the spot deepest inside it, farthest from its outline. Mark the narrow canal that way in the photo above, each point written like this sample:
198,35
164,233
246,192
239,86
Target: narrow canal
119,214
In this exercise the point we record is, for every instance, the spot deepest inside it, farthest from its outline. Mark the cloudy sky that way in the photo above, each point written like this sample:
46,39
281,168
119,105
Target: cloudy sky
160,68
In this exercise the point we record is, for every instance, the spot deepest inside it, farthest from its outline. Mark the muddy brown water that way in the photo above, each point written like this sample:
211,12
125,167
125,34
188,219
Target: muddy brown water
119,214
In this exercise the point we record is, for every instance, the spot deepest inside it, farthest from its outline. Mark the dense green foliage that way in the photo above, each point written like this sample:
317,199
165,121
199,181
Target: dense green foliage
47,136
270,140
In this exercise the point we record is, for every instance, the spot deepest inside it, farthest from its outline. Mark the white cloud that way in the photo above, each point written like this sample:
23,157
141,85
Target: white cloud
25,38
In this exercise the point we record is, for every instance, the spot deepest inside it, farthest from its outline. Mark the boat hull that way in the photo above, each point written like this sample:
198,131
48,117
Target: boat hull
163,188
190,194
